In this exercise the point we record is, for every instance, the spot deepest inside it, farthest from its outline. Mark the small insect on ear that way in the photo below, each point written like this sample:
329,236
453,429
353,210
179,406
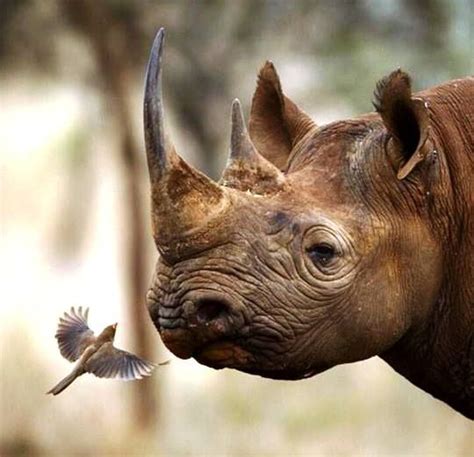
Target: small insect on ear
405,117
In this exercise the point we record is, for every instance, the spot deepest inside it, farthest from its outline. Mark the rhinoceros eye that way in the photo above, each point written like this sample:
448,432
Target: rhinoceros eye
321,253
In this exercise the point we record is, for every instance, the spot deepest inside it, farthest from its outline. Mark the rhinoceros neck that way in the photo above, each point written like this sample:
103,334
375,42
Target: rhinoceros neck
449,180
439,358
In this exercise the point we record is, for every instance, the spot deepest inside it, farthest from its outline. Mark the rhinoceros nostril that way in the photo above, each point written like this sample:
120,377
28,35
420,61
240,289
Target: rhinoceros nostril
209,310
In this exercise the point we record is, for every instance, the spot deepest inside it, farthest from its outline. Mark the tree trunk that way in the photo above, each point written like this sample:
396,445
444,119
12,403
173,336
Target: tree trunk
108,41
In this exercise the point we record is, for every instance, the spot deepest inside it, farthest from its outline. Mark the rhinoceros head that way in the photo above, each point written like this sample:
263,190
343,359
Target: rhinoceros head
309,252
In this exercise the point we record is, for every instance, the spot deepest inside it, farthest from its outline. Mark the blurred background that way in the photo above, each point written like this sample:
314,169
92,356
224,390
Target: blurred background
75,224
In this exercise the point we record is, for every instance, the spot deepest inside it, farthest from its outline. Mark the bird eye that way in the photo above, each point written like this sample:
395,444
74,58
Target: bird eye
321,254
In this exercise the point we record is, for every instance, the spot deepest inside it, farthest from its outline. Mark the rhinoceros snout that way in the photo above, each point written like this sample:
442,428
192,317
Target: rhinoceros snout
189,327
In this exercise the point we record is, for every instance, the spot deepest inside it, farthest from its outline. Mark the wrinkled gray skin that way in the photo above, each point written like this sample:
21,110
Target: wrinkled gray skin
322,245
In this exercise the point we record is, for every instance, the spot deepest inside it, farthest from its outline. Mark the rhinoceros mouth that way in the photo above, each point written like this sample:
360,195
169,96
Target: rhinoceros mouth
234,352
283,374
223,353
211,343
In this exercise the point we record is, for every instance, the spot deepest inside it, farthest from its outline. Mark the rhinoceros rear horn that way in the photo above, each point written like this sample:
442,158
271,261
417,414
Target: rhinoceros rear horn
246,169
182,197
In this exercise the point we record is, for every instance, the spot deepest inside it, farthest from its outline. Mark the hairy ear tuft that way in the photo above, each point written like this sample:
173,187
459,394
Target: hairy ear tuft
395,86
405,118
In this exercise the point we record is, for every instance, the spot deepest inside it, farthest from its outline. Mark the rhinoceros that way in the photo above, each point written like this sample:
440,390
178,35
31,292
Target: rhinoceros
322,245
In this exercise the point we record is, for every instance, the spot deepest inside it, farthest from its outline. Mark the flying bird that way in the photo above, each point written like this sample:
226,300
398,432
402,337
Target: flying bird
95,354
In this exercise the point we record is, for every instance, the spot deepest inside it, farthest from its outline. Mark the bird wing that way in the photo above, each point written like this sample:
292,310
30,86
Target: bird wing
73,334
110,362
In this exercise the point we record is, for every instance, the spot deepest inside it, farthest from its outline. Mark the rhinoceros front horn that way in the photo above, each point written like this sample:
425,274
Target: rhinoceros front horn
182,197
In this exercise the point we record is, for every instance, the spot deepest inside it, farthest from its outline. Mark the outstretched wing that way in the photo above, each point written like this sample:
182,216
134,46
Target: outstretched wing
110,362
73,334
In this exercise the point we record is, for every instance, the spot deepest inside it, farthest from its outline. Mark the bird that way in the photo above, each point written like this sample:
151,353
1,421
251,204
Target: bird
95,354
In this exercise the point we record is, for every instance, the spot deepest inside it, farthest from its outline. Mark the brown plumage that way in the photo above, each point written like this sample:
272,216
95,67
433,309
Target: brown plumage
95,354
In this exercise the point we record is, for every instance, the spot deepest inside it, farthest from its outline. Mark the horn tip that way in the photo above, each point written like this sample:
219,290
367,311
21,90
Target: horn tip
237,114
157,47
161,32
159,38
153,71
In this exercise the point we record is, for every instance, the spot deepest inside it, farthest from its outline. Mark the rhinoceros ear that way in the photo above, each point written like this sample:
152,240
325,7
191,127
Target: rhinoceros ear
405,117
276,124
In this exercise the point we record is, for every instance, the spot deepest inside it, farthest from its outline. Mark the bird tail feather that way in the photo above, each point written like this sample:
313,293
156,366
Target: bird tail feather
66,382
